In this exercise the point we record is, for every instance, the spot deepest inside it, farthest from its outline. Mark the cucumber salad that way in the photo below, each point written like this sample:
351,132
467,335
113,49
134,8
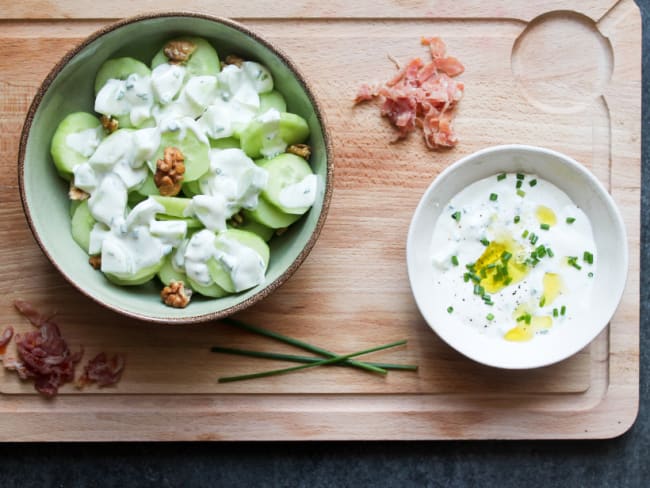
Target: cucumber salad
189,169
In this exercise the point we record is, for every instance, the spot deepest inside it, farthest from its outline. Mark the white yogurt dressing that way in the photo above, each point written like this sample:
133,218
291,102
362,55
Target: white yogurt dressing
272,143
299,195
244,265
234,176
137,242
86,141
133,96
541,286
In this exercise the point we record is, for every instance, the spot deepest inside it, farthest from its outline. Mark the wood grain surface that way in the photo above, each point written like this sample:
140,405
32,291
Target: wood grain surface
566,80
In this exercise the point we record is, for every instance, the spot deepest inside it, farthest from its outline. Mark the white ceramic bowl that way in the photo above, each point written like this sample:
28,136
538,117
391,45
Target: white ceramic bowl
611,247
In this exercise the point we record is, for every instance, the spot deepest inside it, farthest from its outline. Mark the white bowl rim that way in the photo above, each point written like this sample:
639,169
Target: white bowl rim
620,230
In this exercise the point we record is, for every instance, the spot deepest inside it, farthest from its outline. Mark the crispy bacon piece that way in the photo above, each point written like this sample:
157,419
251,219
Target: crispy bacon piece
102,370
422,95
43,354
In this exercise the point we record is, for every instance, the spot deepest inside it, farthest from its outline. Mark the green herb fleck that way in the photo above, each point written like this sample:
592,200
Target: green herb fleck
517,219
532,182
570,220
493,197
550,253
521,193
485,242
454,260
456,216
555,312
542,301
573,261
490,316
450,309
544,226
587,257
501,177
520,176
563,310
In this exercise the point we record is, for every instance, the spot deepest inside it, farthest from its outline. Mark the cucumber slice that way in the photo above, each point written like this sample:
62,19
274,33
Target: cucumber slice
174,206
147,188
73,206
203,61
225,143
256,228
269,215
191,222
191,188
284,170
142,276
213,290
65,158
293,129
272,99
167,273
119,69
195,152
81,225
217,271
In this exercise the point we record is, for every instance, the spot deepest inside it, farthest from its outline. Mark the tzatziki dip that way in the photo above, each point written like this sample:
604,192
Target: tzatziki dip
512,257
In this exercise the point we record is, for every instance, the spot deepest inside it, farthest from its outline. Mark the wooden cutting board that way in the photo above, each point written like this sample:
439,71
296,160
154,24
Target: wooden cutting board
536,73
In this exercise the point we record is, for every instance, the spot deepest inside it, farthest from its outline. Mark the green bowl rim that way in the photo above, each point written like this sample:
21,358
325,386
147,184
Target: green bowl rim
329,184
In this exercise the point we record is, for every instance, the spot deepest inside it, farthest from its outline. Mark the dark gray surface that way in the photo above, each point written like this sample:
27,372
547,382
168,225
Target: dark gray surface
621,462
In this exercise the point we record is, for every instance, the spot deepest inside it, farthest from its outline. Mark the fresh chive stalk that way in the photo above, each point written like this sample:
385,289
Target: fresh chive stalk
501,177
532,182
544,226
332,360
301,359
298,343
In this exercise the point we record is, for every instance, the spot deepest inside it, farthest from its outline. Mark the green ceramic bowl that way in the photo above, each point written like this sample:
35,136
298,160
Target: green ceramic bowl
69,88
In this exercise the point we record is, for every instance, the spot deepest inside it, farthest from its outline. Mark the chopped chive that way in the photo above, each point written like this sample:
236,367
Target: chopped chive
520,318
502,176
485,242
541,251
493,197
563,310
532,182
587,257
521,193
518,185
517,219
483,273
508,281
570,220
542,301
544,226
470,266
520,176
474,278
491,265
527,319
591,275
478,290
454,260
332,360
573,261
450,309
456,216
555,313
466,277
524,234
490,316
533,238
505,256
550,253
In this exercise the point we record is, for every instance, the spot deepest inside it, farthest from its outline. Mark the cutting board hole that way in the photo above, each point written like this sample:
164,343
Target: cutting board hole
562,61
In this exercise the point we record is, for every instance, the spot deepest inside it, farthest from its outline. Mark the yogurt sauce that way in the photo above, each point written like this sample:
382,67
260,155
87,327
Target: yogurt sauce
512,256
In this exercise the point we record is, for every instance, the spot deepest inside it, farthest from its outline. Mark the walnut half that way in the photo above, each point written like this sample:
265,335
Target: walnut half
179,51
302,150
234,59
169,172
175,295
110,124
